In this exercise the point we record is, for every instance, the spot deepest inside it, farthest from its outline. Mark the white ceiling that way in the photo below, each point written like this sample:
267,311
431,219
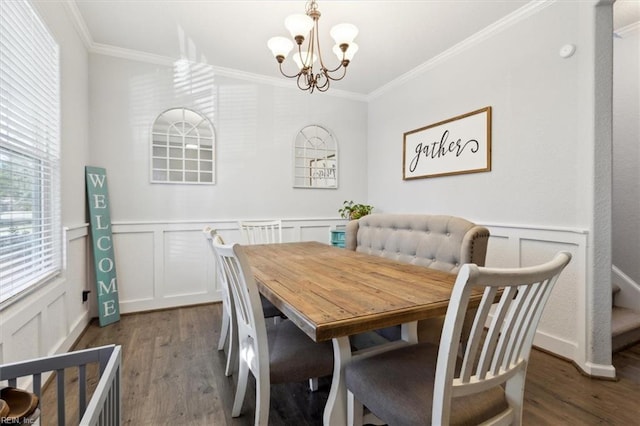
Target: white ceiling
395,36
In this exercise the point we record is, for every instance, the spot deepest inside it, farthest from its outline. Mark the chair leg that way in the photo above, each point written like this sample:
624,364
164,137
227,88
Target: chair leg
355,411
514,391
313,384
241,390
224,329
263,395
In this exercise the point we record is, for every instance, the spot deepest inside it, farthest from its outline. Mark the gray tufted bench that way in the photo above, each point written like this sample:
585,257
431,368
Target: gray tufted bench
434,241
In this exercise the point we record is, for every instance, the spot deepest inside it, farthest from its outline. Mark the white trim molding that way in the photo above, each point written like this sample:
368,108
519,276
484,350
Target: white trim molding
497,27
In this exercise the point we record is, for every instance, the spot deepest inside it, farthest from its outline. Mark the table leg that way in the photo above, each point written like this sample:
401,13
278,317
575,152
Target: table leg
335,412
409,332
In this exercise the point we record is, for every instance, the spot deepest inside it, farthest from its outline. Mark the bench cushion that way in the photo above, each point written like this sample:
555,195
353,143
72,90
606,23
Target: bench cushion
435,241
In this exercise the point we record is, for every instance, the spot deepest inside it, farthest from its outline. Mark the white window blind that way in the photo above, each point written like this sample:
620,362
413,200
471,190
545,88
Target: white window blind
30,228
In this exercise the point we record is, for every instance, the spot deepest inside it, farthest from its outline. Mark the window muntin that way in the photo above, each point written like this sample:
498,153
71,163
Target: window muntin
30,224
182,148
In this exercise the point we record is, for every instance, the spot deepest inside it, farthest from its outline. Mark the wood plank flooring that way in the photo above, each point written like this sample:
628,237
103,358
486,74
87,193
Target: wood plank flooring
172,374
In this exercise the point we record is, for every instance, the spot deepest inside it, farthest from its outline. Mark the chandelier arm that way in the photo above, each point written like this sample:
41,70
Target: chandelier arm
338,67
307,87
287,75
324,86
344,73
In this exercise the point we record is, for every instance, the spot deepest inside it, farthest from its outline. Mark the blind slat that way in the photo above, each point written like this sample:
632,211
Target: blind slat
30,224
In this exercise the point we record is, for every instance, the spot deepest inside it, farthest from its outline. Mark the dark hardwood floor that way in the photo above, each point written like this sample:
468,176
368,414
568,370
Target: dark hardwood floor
172,374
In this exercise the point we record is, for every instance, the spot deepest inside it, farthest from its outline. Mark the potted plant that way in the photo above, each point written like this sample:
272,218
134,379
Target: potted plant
353,211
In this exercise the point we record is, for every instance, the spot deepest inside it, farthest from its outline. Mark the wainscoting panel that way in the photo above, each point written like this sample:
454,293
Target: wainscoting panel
134,266
562,329
57,322
185,265
22,343
169,264
50,318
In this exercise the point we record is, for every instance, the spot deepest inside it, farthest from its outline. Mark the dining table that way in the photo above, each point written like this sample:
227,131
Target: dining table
333,293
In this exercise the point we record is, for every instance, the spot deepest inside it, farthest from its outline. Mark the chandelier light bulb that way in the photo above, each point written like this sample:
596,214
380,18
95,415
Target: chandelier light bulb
280,46
344,33
298,25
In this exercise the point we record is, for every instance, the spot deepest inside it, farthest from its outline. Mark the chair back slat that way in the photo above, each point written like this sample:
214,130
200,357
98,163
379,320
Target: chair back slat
510,328
476,333
261,232
514,349
499,355
493,334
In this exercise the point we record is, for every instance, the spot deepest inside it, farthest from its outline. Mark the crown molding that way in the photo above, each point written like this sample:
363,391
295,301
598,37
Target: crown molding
79,23
136,55
495,28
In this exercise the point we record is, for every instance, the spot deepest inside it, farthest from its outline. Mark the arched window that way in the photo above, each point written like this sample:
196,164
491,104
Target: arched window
183,148
315,157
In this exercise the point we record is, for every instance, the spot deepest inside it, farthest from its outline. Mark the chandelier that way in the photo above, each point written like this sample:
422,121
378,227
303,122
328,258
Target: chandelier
305,27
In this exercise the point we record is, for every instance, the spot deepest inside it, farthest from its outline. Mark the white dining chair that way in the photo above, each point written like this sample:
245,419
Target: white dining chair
261,232
228,314
425,384
279,353
267,232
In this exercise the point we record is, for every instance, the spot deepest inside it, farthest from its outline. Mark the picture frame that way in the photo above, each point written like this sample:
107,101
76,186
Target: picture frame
458,145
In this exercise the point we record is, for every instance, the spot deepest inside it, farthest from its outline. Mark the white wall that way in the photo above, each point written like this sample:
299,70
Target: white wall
542,176
255,126
626,152
161,256
50,319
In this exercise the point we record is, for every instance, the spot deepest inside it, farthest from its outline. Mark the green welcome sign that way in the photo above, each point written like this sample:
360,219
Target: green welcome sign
103,259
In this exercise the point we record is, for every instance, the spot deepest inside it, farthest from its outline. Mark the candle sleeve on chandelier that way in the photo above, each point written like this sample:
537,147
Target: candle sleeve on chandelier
349,54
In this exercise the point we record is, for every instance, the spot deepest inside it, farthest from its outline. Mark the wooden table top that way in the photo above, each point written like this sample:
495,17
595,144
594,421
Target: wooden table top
332,292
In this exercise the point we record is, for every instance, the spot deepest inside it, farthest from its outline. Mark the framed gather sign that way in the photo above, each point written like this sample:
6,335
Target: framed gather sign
458,145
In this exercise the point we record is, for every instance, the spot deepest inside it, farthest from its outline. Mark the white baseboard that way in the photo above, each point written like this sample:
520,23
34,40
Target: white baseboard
556,345
598,370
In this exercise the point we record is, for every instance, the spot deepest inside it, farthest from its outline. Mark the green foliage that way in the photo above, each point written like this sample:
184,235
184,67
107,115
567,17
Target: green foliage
353,211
